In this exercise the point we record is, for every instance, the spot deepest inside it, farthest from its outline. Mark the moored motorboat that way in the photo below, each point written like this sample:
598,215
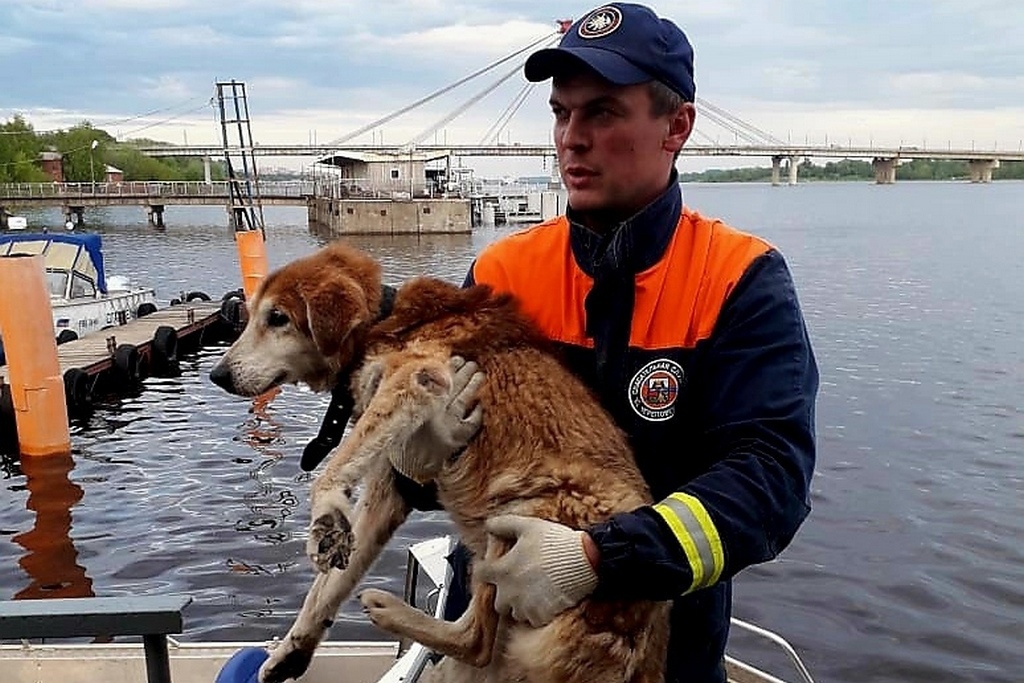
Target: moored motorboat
82,298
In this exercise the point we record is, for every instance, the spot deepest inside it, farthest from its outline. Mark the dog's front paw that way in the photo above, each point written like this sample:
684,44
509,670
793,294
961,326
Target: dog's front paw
384,609
330,541
287,661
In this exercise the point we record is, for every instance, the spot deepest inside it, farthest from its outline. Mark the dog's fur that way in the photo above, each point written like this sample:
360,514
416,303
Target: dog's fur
546,449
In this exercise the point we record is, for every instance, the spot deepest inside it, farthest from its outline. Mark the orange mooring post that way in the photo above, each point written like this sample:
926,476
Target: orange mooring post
252,256
37,386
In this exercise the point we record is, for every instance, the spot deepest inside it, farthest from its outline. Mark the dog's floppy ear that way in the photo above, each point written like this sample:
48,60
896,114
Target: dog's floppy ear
334,309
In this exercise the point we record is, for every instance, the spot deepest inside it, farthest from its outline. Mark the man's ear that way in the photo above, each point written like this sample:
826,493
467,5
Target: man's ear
333,310
680,126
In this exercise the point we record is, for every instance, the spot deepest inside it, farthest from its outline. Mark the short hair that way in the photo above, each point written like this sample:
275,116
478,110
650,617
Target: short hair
664,100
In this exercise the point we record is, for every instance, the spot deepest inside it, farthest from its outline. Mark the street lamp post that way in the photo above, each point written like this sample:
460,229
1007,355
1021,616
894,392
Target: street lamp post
92,171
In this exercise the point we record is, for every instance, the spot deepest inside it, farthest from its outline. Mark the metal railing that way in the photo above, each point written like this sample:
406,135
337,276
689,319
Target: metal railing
146,189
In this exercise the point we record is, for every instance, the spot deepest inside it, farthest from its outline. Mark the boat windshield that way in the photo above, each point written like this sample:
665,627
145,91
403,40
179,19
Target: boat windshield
82,286
57,282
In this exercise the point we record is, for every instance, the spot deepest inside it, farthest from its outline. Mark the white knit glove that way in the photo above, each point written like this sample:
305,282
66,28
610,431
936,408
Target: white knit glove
448,432
543,574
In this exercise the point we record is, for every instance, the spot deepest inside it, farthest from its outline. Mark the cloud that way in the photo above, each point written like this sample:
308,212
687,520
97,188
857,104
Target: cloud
321,68
10,45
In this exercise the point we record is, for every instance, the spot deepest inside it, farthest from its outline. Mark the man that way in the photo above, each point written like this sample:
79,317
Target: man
688,331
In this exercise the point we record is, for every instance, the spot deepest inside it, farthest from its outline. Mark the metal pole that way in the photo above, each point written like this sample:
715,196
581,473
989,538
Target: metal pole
158,663
92,171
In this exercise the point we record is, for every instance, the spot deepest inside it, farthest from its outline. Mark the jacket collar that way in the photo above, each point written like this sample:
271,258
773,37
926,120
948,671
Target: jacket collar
634,245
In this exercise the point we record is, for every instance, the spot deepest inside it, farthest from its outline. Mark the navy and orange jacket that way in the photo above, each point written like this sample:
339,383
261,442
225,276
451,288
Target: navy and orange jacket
691,335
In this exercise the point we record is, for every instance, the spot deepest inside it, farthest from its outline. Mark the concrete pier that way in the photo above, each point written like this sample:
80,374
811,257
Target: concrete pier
981,169
389,217
793,169
885,170
74,215
155,214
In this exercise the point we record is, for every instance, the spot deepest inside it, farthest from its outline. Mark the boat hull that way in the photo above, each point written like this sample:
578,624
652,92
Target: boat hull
352,662
92,315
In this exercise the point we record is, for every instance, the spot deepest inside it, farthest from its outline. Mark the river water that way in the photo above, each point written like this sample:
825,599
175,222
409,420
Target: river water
910,567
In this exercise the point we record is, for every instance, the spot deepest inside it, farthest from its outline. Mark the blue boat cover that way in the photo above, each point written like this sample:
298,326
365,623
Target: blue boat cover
91,243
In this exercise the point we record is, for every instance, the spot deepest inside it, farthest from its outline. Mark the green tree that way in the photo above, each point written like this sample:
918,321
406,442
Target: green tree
19,152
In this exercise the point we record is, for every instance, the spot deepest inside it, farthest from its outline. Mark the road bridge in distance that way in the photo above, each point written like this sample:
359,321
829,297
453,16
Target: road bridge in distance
885,159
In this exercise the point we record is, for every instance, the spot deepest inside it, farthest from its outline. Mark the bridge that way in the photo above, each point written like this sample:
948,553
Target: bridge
750,141
74,198
884,158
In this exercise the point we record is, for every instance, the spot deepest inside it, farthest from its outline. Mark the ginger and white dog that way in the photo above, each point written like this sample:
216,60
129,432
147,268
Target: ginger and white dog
546,449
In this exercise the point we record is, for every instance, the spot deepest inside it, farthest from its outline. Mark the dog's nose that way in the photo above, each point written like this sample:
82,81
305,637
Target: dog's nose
222,377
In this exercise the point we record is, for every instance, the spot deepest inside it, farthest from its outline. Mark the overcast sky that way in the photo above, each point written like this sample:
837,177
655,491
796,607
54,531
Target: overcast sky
917,72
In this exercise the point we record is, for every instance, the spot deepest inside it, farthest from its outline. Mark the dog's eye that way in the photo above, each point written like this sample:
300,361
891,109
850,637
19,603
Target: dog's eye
276,318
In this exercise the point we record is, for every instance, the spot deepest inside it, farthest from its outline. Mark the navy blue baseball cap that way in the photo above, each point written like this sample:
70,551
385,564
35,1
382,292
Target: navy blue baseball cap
624,43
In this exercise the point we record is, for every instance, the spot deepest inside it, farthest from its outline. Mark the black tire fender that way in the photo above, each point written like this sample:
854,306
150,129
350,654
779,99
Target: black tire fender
128,363
66,336
145,309
197,296
77,389
165,346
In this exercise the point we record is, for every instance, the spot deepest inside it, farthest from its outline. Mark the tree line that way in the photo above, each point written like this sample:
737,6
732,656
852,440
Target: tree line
851,169
86,151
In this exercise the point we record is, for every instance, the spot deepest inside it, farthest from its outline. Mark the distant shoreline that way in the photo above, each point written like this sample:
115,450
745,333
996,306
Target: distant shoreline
853,170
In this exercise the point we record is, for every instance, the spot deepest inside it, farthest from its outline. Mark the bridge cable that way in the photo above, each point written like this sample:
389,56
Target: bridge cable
437,93
494,132
707,138
738,132
106,124
208,103
766,138
464,106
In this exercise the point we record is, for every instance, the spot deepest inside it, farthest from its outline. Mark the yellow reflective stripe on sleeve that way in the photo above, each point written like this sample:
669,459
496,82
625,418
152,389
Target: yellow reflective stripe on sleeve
697,535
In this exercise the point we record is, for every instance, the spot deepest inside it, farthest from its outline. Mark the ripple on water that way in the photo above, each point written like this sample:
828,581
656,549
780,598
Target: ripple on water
909,568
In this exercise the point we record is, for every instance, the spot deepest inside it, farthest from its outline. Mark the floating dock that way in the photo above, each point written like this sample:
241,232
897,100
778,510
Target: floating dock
116,360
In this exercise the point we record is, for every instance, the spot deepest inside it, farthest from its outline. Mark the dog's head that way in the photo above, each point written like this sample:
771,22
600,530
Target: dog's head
307,323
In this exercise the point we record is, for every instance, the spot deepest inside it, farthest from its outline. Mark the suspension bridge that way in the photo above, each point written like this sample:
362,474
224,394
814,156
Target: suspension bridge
350,168
748,140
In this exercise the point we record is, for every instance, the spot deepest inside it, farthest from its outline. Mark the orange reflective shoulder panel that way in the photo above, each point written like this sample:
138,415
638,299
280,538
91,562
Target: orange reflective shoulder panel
537,266
699,270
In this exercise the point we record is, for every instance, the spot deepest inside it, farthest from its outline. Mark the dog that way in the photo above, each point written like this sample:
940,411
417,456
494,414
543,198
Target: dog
546,449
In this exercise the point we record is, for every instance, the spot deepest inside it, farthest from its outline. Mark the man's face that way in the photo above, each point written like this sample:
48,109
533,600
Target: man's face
614,156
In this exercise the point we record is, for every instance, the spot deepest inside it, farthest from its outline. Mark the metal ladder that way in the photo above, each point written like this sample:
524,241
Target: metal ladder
244,205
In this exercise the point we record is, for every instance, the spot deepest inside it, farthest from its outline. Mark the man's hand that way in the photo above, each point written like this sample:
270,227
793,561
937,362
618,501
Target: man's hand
448,432
546,571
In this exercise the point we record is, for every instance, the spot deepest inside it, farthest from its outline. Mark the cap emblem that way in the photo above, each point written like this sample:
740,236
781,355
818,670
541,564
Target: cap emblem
600,23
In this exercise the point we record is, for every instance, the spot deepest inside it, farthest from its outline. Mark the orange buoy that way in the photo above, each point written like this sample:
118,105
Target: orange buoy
37,387
252,256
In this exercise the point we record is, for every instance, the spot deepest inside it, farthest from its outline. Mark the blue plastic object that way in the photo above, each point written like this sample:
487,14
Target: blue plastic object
244,666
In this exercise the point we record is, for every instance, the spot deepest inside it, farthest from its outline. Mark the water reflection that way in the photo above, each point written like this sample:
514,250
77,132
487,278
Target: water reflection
51,559
909,568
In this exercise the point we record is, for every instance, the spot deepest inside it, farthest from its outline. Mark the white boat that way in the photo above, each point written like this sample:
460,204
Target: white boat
17,223
349,661
84,300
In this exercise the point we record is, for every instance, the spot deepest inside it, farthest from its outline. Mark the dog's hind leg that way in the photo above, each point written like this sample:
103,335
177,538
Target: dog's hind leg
381,511
470,639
